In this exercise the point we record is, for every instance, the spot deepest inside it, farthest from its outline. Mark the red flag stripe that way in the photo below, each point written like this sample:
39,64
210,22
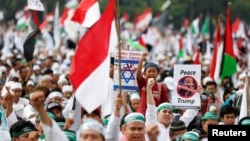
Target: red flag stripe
92,49
216,45
82,9
228,43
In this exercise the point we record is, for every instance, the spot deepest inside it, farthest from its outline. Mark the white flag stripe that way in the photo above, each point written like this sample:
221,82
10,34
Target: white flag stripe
92,15
91,86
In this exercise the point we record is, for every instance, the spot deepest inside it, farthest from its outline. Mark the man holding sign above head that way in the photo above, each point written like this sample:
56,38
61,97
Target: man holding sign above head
160,91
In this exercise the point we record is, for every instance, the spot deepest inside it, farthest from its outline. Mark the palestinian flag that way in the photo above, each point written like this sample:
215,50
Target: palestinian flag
29,42
229,64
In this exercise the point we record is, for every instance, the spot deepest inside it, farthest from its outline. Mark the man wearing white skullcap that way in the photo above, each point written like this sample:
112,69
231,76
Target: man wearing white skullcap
91,130
36,76
134,102
55,96
46,80
67,91
19,102
62,81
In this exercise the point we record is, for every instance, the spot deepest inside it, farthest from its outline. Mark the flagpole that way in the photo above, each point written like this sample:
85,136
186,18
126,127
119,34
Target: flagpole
118,30
247,94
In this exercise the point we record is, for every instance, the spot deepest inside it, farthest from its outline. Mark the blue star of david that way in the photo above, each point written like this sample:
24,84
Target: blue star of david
131,75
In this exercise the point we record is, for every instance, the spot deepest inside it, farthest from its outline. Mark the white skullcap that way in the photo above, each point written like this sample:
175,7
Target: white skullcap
212,108
62,80
67,88
134,96
3,68
54,94
36,67
206,79
169,81
91,124
3,57
16,85
46,77
30,82
56,68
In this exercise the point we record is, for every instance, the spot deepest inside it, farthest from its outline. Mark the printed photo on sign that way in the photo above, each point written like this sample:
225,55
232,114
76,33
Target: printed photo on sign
187,87
186,83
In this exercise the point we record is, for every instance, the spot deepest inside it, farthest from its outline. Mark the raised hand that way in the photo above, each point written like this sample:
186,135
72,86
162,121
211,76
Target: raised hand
144,56
118,105
152,131
8,99
68,123
151,83
37,99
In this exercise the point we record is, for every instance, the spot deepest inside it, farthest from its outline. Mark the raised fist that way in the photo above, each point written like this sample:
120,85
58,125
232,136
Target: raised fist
151,81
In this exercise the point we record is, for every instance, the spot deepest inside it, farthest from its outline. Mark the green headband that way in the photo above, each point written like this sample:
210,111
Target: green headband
245,122
210,115
51,115
22,131
132,117
60,124
190,135
164,106
70,134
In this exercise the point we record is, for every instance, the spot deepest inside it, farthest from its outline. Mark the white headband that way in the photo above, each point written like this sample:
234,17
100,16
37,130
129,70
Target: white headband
54,94
92,125
16,85
67,88
134,96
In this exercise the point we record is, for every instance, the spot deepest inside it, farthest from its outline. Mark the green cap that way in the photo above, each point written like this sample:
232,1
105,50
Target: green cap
70,134
244,121
164,106
22,131
210,115
191,135
51,115
133,117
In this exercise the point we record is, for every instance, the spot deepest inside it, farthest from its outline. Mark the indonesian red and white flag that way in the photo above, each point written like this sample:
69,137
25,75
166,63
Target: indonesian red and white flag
89,72
87,13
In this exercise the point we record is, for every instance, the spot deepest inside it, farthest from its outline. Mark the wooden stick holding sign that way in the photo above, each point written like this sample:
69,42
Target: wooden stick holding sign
118,29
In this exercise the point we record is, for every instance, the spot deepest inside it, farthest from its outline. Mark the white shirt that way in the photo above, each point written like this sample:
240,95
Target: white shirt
18,107
28,111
